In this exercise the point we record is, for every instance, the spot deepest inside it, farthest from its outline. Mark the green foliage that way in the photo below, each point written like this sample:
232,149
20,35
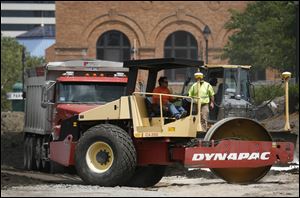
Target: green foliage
294,98
11,67
11,56
33,61
265,35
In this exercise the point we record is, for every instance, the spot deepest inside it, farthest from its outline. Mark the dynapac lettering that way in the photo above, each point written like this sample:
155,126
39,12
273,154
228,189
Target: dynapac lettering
231,156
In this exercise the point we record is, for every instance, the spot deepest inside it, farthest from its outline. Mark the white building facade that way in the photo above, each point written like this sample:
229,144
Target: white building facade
18,17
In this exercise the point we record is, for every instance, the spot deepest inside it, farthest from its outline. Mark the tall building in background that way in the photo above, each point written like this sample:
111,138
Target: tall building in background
38,39
110,30
18,17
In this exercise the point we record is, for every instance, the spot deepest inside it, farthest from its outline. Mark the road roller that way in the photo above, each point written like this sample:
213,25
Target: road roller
125,143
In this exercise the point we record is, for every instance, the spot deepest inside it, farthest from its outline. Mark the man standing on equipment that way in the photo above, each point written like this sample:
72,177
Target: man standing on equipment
205,92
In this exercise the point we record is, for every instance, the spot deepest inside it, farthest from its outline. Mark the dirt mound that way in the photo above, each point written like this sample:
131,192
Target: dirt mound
8,180
277,122
12,122
12,149
179,170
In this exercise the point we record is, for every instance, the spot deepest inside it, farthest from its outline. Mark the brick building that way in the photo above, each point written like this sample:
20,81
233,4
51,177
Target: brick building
110,29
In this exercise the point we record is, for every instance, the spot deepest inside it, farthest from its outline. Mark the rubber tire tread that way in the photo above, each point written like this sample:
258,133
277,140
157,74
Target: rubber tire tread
38,145
25,153
31,153
147,176
125,158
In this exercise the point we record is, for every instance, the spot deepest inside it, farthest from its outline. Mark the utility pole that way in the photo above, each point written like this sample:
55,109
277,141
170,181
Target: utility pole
206,33
23,74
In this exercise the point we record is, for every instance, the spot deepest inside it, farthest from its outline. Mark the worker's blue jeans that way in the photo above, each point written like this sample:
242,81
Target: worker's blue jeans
175,110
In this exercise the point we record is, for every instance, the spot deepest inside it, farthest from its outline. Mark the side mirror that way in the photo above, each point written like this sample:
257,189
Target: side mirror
45,100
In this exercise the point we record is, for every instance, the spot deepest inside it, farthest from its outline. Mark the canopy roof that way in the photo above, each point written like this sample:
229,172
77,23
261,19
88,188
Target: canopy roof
162,63
154,66
227,66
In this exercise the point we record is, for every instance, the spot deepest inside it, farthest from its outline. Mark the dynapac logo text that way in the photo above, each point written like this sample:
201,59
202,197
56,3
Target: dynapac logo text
231,156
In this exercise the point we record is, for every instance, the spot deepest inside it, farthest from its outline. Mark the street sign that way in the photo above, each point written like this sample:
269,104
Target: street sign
14,96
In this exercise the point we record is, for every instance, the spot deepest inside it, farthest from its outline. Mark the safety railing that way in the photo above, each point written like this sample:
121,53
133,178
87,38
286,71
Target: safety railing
171,95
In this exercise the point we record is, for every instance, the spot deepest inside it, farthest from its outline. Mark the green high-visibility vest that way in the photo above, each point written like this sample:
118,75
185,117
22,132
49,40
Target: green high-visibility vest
206,91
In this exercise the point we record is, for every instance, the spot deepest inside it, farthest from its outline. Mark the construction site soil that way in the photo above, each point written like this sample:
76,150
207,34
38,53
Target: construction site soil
178,181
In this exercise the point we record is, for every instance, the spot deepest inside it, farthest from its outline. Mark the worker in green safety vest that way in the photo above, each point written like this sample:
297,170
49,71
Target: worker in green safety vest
205,92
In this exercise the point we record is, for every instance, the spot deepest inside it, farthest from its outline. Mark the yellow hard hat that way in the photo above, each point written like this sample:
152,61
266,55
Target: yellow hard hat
199,75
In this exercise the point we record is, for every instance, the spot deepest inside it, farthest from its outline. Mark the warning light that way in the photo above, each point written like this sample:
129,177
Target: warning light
87,74
102,75
94,74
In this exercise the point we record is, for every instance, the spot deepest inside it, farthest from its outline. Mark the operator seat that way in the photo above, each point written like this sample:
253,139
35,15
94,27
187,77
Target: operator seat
154,110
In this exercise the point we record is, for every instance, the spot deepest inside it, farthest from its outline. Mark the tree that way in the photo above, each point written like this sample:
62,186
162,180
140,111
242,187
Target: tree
265,37
11,66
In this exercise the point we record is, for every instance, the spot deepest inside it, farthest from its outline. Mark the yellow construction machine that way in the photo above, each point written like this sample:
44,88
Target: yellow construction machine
235,94
123,143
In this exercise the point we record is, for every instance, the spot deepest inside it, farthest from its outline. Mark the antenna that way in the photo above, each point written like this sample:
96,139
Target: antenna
42,24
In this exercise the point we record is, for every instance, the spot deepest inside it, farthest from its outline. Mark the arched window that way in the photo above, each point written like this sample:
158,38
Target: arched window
180,44
114,46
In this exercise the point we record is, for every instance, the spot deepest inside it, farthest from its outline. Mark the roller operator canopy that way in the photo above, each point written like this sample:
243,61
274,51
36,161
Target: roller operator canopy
154,66
162,63
210,66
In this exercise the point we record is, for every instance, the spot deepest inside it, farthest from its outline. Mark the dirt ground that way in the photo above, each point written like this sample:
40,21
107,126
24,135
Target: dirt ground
177,182
273,185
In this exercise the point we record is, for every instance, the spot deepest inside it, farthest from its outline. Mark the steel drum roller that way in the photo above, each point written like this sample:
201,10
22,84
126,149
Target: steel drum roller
239,129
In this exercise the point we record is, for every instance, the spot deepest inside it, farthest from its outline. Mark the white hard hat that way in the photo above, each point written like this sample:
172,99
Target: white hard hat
199,75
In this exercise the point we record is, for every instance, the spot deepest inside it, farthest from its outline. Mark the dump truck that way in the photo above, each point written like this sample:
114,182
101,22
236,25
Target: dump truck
123,143
59,90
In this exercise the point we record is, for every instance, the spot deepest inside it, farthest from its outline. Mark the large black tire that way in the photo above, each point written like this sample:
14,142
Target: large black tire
105,156
38,153
44,154
147,176
29,153
25,152
56,167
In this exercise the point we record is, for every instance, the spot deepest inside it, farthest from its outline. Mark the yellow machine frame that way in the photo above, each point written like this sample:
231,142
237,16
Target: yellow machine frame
134,107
